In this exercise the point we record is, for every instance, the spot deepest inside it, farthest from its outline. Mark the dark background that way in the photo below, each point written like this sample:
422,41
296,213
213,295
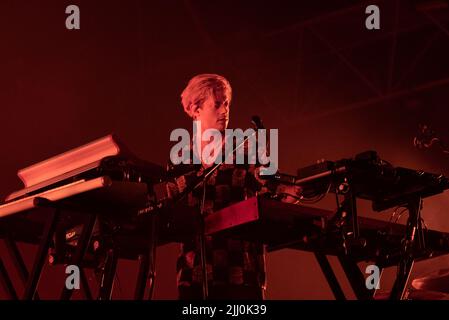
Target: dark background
309,68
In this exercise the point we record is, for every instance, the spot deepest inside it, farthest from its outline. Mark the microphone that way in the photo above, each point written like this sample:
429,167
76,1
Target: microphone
257,122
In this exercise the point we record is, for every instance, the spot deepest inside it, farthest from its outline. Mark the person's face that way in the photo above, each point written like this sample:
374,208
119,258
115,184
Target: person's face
214,112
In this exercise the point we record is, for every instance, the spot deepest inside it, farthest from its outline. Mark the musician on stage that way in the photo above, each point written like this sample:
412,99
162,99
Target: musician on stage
235,269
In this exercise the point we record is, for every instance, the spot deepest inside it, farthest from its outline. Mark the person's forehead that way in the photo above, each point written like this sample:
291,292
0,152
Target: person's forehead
221,94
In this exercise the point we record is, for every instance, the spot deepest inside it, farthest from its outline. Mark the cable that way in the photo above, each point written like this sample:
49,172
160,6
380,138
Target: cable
399,215
203,245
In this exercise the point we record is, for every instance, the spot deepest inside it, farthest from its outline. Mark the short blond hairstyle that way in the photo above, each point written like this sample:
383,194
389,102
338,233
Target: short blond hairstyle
200,88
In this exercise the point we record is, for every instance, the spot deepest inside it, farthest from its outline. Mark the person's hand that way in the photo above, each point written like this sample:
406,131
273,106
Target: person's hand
290,193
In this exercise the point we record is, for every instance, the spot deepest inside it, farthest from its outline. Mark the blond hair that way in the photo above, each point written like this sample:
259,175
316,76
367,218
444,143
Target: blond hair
200,88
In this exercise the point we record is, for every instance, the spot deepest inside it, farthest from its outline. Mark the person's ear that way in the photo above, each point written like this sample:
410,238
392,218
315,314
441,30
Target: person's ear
195,111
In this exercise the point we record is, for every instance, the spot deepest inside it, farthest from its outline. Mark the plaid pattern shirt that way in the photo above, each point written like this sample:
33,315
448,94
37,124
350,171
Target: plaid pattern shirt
228,261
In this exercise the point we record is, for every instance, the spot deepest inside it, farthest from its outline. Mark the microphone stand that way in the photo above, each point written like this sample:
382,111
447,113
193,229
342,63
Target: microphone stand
203,181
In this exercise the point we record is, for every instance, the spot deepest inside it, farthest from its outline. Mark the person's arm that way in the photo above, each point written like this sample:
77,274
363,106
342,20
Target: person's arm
178,179
287,192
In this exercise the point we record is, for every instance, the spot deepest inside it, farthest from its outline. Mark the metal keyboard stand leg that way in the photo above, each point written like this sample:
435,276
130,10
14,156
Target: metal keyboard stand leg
351,201
50,227
6,282
107,279
85,284
355,277
350,227
330,276
413,242
147,263
18,261
142,277
81,250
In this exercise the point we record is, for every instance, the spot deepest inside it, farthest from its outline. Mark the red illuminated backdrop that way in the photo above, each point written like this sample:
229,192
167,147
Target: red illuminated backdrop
310,69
